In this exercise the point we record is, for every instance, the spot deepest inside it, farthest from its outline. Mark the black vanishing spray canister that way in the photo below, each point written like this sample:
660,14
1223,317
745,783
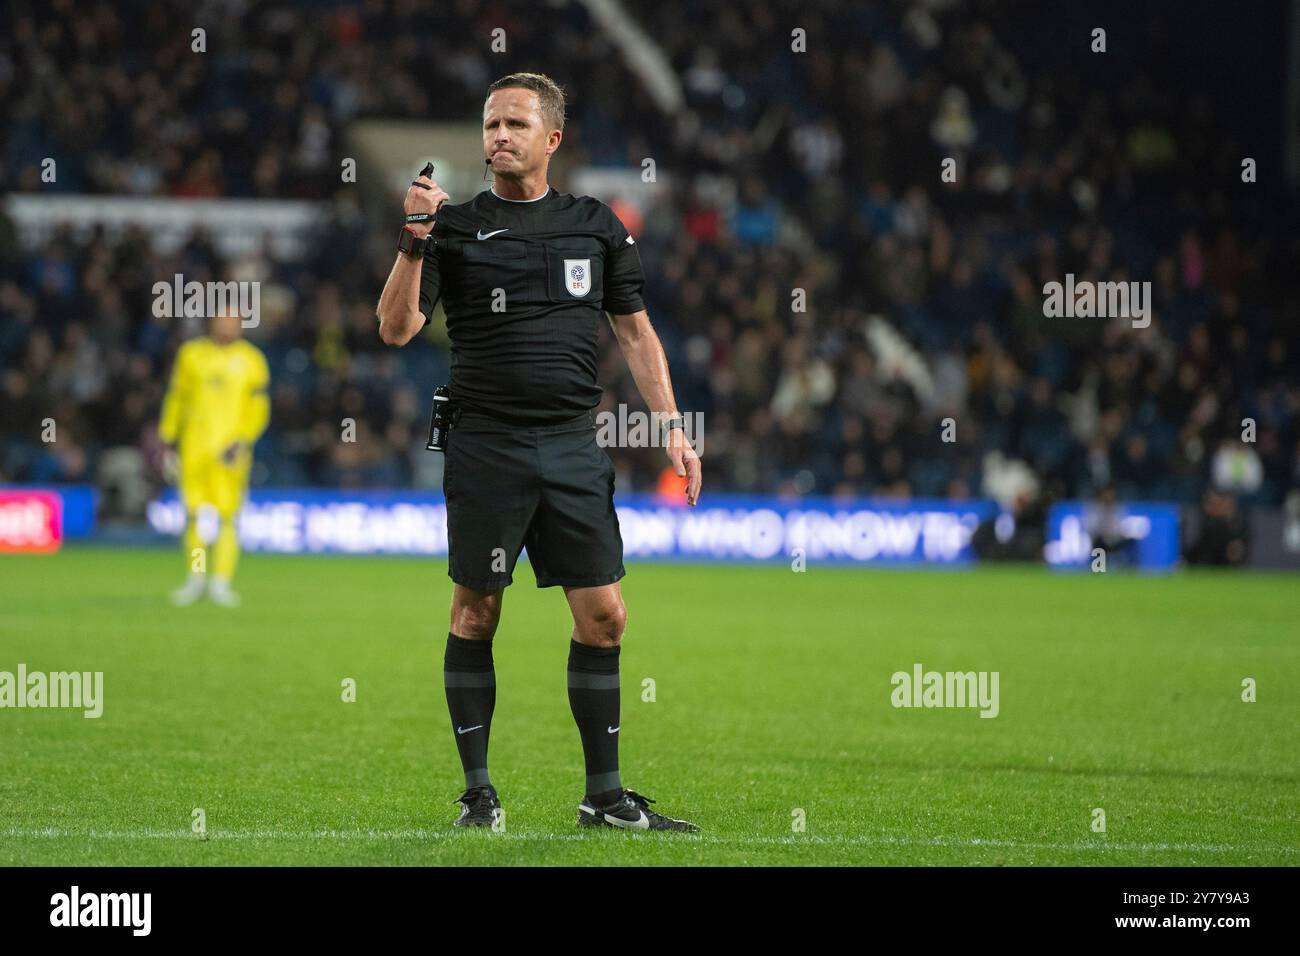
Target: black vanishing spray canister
440,420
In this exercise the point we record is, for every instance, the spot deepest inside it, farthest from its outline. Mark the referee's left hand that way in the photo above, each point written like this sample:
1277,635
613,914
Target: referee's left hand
686,463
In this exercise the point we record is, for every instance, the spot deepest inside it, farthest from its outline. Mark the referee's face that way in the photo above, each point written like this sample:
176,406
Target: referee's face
516,140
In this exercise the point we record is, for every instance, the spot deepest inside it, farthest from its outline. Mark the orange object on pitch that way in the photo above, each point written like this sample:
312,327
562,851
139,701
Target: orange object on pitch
672,487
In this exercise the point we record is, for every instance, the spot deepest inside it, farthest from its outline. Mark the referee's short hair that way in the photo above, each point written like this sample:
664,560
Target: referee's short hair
548,93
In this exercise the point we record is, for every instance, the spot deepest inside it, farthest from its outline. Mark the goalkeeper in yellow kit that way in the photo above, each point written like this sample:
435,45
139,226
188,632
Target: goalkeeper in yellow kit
215,410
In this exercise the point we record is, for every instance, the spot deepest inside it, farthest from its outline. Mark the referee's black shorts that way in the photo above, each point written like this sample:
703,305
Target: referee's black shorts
546,488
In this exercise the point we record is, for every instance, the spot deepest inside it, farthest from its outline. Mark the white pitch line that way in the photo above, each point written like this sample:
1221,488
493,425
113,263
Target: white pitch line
865,841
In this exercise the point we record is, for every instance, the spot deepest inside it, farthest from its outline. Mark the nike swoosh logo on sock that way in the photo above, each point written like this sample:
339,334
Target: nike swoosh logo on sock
612,730
468,729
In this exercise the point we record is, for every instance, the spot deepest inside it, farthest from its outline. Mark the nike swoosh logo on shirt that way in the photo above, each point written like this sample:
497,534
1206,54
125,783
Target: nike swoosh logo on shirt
489,235
468,729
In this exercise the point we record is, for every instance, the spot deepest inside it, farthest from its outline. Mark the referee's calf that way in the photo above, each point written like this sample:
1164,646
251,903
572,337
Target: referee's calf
524,273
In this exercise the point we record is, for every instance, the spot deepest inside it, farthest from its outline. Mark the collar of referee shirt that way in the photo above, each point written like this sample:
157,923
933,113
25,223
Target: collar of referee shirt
534,199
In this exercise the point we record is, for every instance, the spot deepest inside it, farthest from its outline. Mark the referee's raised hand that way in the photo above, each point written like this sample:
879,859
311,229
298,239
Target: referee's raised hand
424,196
398,310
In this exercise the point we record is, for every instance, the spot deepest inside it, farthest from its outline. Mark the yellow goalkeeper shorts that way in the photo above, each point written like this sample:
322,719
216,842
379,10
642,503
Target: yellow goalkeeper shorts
212,482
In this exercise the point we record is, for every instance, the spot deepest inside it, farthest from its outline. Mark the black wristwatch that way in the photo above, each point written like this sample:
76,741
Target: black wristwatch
677,421
411,244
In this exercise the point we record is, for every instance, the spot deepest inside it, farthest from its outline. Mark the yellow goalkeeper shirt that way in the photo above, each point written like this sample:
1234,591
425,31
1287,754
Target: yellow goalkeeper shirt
217,396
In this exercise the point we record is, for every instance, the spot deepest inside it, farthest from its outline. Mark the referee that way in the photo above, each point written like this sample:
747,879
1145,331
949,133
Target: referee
524,273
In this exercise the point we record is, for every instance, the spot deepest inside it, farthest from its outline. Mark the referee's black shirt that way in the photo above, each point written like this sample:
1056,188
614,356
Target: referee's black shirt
524,285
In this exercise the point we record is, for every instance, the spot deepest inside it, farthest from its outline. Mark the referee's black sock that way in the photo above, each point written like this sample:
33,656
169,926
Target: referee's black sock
593,698
471,686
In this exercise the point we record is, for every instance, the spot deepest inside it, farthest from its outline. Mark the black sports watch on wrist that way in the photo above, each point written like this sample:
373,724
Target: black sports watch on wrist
677,421
410,244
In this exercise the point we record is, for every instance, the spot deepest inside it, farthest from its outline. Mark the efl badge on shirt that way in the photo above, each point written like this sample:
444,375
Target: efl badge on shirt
577,276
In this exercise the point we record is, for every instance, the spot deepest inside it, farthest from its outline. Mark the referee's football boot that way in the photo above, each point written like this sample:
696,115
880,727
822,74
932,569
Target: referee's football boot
479,807
631,811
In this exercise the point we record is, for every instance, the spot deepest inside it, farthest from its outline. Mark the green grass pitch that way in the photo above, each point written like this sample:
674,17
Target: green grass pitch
772,696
